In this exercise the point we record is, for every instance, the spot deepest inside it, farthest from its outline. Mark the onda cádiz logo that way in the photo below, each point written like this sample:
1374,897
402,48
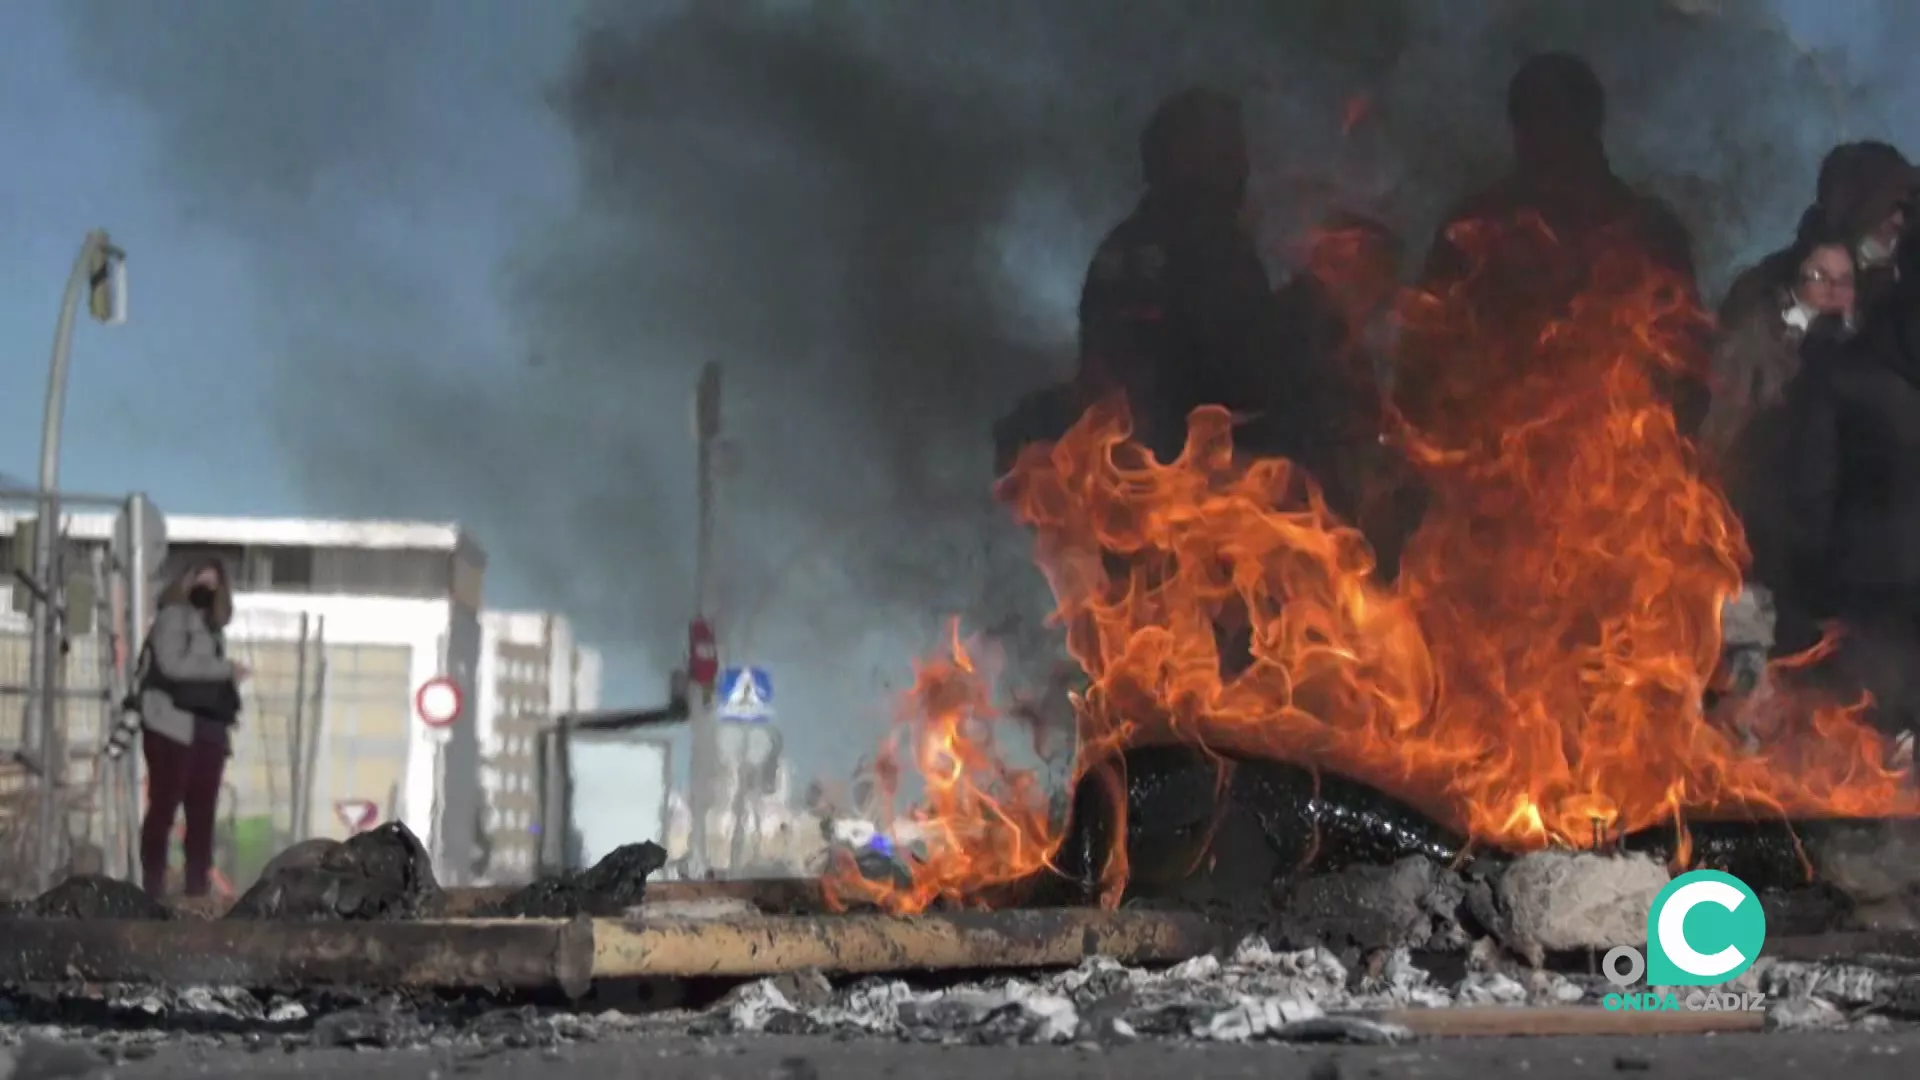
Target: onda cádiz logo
1706,929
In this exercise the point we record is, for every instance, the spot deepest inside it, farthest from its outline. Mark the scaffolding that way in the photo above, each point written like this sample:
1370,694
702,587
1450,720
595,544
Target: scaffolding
63,806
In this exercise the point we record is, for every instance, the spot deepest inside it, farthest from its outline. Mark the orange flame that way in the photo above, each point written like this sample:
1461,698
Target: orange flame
985,824
1537,675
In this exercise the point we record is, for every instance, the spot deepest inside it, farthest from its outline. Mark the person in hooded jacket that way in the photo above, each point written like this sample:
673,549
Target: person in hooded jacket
1864,188
1852,492
1764,330
189,703
1860,201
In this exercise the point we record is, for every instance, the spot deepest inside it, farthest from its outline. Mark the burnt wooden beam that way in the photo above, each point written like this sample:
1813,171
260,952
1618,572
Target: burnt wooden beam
858,944
775,896
507,955
543,954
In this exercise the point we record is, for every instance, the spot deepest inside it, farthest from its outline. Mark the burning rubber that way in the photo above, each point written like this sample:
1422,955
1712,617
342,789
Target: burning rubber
1202,828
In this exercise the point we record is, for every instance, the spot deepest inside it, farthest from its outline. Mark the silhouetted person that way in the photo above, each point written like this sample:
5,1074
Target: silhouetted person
1177,310
1558,113
1561,174
1342,304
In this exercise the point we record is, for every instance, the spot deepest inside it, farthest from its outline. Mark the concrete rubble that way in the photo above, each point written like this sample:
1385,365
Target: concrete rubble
1558,901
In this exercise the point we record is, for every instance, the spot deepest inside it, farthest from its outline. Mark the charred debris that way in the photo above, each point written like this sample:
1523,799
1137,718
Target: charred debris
1317,859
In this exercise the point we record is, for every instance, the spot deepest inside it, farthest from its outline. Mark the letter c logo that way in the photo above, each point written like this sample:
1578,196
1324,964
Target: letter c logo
1673,928
1714,909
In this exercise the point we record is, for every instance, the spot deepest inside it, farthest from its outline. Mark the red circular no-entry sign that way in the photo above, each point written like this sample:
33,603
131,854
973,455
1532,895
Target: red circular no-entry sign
438,702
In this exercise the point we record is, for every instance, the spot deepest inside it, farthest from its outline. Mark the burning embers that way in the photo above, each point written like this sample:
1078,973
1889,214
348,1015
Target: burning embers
1535,677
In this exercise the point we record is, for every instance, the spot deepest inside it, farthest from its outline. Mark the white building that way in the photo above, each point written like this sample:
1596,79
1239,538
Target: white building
531,671
385,606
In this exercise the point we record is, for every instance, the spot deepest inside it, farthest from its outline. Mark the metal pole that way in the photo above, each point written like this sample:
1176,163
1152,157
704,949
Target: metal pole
702,764
300,763
141,574
320,711
46,622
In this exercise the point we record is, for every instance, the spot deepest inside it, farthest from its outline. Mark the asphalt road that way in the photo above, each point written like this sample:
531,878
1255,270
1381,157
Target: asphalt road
1857,1056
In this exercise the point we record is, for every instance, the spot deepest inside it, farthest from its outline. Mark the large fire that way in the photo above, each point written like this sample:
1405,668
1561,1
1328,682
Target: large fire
1535,677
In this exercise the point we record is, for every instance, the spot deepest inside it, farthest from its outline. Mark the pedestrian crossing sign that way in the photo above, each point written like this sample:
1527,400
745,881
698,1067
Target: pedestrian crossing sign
746,694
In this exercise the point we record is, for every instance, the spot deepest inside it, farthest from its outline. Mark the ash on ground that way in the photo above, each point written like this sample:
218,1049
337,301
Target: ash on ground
1255,993
131,1023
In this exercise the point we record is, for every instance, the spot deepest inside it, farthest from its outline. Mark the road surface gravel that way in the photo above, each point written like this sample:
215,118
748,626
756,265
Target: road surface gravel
1773,1056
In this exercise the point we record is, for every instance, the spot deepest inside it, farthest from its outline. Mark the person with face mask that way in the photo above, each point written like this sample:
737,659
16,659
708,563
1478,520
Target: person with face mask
1763,326
1851,482
1799,303
189,702
1863,192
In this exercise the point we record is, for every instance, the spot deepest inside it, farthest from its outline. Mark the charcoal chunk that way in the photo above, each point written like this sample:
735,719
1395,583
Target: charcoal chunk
1413,904
95,896
610,887
383,874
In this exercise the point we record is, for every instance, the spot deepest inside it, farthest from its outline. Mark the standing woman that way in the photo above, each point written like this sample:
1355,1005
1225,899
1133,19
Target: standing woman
189,704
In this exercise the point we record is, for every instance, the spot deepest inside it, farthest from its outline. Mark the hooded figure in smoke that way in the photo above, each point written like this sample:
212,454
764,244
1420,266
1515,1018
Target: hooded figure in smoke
1558,112
1177,311
1851,479
1863,192
1561,175
1798,303
1342,306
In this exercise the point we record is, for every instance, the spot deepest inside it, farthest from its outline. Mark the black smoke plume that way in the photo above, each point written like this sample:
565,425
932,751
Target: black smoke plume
874,215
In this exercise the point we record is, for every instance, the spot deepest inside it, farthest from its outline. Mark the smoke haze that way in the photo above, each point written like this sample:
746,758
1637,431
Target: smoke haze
874,216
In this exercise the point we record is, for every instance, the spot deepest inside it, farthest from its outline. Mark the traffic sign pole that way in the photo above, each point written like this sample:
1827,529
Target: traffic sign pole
703,766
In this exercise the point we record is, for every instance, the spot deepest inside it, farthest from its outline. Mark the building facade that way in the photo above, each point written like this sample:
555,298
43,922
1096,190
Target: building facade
532,670
341,622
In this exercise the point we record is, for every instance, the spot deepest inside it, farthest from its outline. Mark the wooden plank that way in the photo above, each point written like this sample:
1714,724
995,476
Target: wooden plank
518,954
862,944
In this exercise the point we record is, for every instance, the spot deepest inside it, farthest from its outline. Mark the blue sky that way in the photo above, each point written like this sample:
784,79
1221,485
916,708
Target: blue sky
171,403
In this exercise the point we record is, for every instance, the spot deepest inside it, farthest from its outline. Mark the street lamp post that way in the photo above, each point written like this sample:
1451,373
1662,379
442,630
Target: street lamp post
100,272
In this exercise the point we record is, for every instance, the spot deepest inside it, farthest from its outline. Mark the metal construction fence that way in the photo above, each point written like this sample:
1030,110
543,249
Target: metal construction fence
64,806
